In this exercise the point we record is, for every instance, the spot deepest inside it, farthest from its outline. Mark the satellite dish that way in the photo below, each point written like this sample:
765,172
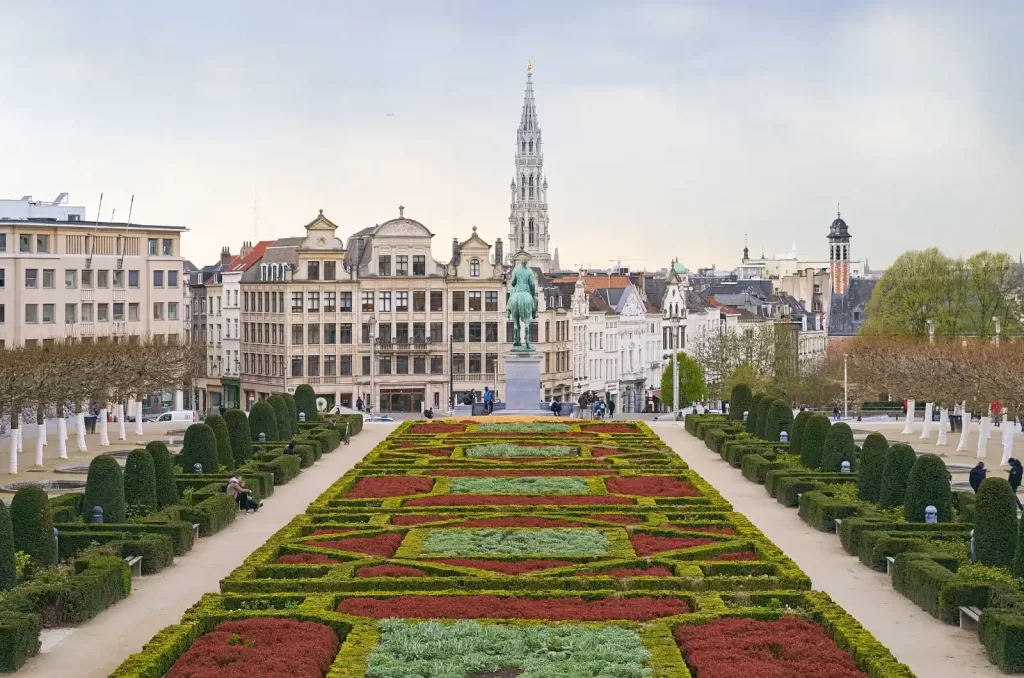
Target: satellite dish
321,404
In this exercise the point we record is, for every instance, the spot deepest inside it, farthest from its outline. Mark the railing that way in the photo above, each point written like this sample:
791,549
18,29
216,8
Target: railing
406,346
483,376
88,329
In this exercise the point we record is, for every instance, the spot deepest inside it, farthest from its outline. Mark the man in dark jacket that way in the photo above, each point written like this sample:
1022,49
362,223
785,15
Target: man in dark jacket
978,474
1016,473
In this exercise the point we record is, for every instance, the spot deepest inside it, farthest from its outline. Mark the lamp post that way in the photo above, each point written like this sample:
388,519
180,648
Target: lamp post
999,327
675,367
371,321
931,330
846,390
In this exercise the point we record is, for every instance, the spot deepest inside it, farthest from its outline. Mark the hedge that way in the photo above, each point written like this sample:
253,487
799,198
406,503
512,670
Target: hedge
200,447
225,457
354,421
812,440
261,483
33,525
8,572
819,510
778,419
179,532
212,514
140,482
995,523
1002,634
163,473
239,435
739,401
19,639
928,485
293,411
918,577
872,467
263,420
839,447
797,429
284,467
285,428
899,460
104,486
305,402
750,425
762,416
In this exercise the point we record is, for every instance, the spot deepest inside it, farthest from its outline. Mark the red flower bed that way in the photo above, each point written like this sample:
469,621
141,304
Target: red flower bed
513,500
786,648
306,559
618,518
651,486
377,487
610,428
631,572
419,520
649,544
390,571
260,648
493,607
382,545
437,428
317,533
505,566
605,451
473,472
519,522
738,555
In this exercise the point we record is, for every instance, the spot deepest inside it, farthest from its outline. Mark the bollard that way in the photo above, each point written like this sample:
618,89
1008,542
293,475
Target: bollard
845,467
56,542
302,416
346,433
197,468
931,515
97,515
783,437
972,546
263,437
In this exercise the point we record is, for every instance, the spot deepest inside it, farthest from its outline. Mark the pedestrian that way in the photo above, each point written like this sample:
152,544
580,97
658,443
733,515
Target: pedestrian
978,474
835,412
611,408
1015,475
583,405
359,404
556,407
488,399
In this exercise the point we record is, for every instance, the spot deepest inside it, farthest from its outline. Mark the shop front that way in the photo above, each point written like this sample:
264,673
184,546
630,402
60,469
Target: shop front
231,388
409,400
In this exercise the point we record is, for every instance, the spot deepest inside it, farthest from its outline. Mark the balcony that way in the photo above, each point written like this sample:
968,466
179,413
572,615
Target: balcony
418,346
482,377
88,329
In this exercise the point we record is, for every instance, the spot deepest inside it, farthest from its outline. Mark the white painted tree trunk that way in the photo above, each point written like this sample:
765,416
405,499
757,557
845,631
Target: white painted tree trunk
926,429
12,464
1008,430
179,399
965,433
21,438
909,427
943,426
982,437
41,431
62,438
104,433
139,431
121,434
80,431
39,448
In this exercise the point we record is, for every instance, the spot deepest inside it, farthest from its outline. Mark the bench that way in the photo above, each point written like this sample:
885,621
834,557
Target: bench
134,562
839,524
195,530
890,565
969,617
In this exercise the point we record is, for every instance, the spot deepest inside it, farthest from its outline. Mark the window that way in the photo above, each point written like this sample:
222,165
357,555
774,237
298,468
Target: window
133,278
419,302
491,366
458,363
31,277
296,302
43,245
364,335
490,301
314,302
367,301
458,332
366,364
401,333
167,248
330,365
419,333
491,334
475,366
402,264
87,315
436,301
102,313
312,270
436,364
103,279
297,366
474,301
296,335
402,364
385,302
330,268
474,333
158,278
385,365
313,366
458,301
384,333
31,313
345,364
119,280
345,302
384,264
172,312
158,311
419,365
259,303
419,264
330,305
154,246
24,243
330,333
133,313
48,313
436,333
70,278
172,281
313,333
345,333
474,268
86,278
402,301
3,244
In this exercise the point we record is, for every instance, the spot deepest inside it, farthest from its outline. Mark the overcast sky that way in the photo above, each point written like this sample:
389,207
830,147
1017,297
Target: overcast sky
670,129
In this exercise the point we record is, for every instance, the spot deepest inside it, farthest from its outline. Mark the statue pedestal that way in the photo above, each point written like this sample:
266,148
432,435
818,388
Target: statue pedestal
522,383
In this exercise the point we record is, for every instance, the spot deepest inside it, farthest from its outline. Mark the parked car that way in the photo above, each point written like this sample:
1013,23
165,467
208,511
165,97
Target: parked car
184,416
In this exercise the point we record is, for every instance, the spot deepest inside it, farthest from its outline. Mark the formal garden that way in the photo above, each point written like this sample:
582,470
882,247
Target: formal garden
460,549
892,508
66,558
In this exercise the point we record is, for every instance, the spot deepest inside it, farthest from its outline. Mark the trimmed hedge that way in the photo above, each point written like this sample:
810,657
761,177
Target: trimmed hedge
140,482
762,416
920,578
239,435
750,425
8,572
19,639
163,467
225,457
899,460
739,401
995,523
212,514
839,447
33,525
820,510
178,531
797,429
305,401
285,428
872,467
293,411
778,419
104,486
928,485
1002,634
812,440
263,420
200,447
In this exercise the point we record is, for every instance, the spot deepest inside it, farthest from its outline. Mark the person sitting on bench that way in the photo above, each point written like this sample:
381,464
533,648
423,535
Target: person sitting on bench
237,489
291,448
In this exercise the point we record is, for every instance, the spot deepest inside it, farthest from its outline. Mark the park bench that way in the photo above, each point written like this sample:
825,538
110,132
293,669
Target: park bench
890,565
135,563
195,530
839,524
969,617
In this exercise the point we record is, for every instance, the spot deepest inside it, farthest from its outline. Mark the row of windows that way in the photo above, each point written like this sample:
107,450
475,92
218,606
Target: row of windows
87,313
419,265
489,365
155,248
561,361
489,299
341,365
47,278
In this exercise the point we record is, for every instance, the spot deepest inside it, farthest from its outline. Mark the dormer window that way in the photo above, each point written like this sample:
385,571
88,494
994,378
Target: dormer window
474,268
313,270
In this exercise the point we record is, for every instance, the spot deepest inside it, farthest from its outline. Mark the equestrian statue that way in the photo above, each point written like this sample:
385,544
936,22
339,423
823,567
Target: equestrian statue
522,306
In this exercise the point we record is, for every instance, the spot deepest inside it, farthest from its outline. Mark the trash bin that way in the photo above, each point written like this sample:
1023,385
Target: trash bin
90,423
956,422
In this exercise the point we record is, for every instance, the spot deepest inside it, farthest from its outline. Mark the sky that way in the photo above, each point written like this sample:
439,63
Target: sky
671,129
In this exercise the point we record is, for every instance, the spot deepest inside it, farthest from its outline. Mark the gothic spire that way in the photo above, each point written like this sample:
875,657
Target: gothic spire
529,119
528,221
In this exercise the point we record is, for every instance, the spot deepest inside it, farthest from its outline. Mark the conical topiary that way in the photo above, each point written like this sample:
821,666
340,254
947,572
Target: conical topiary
200,447
282,414
8,572
140,482
1018,557
163,470
263,420
812,440
238,433
104,486
762,416
995,523
797,429
751,424
839,447
293,412
739,401
928,485
33,525
898,461
305,401
778,419
225,458
872,467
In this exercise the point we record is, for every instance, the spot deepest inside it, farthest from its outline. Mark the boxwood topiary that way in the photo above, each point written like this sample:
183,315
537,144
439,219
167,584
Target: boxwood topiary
797,429
200,447
839,447
163,471
928,485
140,482
220,429
305,401
238,433
871,467
8,573
812,440
104,486
751,424
739,401
778,419
762,416
263,420
898,461
995,523
293,411
282,414
33,525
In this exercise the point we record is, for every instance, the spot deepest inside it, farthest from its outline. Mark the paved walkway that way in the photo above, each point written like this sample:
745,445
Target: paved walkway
929,647
97,647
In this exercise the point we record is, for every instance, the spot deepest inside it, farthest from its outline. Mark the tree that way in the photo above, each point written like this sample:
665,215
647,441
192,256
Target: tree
762,416
33,525
263,420
140,482
739,401
238,433
200,447
282,415
225,457
812,440
995,523
293,412
928,485
104,486
899,460
778,419
797,429
8,571
691,381
1018,556
872,467
751,424
305,401
839,447
163,474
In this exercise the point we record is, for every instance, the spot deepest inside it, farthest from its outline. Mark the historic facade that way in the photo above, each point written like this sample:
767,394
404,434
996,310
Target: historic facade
528,221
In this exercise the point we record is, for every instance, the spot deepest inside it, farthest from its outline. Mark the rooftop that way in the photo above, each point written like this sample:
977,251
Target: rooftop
77,223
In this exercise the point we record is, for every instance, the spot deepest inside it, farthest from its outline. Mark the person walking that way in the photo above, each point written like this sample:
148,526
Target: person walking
359,404
488,400
584,405
611,408
1015,475
977,476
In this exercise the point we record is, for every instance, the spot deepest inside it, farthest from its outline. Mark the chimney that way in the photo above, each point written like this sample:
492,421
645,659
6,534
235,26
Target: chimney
225,255
499,252
803,322
246,249
455,250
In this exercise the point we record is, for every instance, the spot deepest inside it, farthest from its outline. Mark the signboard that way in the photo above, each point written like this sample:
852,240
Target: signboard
611,387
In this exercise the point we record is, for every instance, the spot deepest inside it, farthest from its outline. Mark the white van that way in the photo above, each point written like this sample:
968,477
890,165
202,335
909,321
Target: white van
186,416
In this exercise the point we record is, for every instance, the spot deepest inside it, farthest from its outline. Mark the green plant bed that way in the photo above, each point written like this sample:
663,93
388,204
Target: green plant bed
852,530
532,542
789,488
820,510
180,533
212,514
528,485
512,451
19,639
1001,632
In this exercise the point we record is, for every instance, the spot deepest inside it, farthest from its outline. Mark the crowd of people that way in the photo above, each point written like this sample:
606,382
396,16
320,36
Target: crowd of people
1014,476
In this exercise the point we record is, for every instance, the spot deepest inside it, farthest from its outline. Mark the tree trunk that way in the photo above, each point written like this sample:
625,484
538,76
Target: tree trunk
12,466
41,424
179,399
121,435
1008,430
943,426
909,427
139,431
982,437
104,433
62,437
80,429
965,434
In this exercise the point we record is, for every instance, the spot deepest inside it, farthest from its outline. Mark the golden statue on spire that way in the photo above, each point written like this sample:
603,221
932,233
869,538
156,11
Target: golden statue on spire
529,67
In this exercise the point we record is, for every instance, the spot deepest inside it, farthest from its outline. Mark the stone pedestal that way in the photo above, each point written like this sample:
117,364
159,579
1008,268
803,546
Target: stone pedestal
522,383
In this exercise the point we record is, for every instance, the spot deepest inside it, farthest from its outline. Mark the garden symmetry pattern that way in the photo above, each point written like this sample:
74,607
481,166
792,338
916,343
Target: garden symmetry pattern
460,549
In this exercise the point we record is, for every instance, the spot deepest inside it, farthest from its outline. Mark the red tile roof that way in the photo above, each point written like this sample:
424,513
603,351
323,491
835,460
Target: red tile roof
242,264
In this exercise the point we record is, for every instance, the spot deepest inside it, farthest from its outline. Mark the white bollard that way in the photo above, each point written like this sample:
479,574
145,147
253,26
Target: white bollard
21,437
104,432
982,437
909,426
62,438
121,434
965,433
39,449
12,464
41,431
926,429
80,431
139,431
1009,429
943,426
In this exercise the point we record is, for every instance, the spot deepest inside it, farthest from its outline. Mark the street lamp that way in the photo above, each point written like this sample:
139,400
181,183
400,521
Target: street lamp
931,330
371,321
675,367
999,327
